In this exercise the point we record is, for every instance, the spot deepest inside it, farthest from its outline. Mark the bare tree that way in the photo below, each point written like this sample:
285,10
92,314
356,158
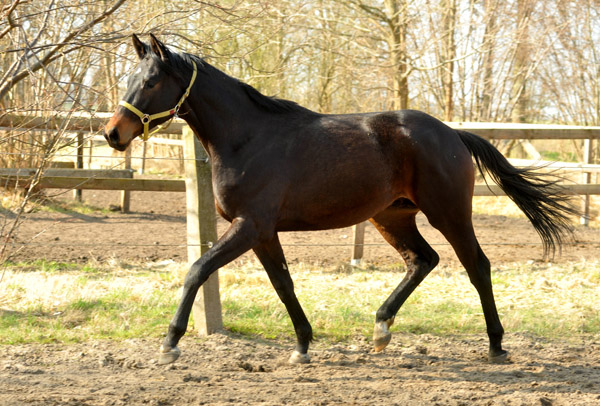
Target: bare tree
522,61
448,51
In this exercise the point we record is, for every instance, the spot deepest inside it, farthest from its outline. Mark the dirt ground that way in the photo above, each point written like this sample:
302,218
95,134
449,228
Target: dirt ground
228,369
156,230
223,370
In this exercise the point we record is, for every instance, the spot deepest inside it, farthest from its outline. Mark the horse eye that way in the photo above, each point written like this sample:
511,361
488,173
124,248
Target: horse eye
149,84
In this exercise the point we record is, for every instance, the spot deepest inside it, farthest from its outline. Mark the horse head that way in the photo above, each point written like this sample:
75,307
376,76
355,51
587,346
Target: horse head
153,96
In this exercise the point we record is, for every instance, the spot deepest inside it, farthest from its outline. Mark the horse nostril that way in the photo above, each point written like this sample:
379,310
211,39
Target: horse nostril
113,136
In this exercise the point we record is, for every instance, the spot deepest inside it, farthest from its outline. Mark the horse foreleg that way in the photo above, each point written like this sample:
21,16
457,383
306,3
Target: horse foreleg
239,238
399,228
271,256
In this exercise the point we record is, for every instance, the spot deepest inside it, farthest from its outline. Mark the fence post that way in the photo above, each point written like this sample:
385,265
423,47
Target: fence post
201,230
78,193
126,194
586,178
144,152
358,238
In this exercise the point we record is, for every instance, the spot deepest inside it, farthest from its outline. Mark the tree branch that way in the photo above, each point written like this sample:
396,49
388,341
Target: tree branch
52,54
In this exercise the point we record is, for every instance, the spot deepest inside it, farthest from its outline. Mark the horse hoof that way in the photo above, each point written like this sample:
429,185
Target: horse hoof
168,356
499,358
380,343
297,358
382,335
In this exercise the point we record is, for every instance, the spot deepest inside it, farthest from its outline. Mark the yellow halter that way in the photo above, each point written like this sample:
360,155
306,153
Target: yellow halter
146,118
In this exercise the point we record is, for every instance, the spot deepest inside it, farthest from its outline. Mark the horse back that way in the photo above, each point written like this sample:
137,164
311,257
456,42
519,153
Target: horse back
347,168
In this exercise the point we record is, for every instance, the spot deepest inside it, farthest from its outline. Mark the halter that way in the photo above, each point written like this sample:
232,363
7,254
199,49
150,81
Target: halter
146,118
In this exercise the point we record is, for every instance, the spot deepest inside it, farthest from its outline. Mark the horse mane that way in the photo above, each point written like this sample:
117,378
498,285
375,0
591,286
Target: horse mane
266,103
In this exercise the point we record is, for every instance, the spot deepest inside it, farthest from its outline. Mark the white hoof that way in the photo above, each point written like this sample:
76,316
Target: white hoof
382,335
297,358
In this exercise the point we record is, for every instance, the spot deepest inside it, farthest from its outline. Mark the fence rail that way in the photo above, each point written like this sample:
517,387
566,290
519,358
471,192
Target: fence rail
178,185
79,121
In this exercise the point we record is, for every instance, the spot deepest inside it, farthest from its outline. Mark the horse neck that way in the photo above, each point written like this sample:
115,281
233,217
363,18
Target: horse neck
218,111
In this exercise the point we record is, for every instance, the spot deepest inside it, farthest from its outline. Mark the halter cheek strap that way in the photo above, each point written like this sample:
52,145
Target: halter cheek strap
147,118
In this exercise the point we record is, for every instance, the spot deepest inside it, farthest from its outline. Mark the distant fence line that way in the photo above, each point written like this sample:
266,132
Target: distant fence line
93,123
500,131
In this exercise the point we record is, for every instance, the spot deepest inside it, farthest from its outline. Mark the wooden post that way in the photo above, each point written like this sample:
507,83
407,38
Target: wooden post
586,178
126,194
358,237
144,152
90,153
77,193
201,230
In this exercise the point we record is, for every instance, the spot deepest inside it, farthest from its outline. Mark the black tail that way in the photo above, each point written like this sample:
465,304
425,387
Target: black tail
544,202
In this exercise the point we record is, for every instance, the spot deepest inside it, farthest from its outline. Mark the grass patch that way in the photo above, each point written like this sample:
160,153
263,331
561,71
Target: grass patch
545,299
56,302
44,266
564,156
70,207
11,201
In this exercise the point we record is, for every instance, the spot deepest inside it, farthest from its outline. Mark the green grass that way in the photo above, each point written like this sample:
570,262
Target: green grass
562,156
9,202
45,266
70,206
47,302
547,300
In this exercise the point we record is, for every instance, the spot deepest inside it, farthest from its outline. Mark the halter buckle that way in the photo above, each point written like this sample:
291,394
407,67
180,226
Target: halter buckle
145,119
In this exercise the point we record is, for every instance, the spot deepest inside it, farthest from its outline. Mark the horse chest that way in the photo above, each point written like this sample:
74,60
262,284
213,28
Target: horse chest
236,192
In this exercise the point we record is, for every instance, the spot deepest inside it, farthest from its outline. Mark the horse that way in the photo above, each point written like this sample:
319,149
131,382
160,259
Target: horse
277,166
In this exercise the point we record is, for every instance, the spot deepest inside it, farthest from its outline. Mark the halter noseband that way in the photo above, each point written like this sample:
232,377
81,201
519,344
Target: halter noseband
146,118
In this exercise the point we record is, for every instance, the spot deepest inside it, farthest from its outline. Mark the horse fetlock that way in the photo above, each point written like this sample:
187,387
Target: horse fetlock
168,355
299,358
381,334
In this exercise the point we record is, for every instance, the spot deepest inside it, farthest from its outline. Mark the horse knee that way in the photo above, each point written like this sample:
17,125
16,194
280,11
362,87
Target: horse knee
196,275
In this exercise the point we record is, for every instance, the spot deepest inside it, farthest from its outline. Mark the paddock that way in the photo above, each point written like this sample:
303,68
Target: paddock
230,368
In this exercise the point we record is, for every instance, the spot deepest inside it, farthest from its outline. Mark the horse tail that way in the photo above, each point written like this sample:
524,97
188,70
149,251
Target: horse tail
545,203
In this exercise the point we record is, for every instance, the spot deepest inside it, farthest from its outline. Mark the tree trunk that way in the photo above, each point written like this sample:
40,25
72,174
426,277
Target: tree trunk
522,60
448,55
485,108
398,56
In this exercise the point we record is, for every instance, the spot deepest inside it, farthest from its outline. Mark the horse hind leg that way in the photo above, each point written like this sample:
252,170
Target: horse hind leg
398,227
476,263
456,225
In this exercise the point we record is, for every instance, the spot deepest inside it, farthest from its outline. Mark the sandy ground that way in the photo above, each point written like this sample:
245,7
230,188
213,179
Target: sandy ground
228,369
156,230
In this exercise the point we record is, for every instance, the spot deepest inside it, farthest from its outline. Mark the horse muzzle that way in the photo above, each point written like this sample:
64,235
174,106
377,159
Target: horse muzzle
114,140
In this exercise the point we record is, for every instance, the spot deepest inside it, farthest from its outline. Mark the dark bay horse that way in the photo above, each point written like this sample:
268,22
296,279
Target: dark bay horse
280,167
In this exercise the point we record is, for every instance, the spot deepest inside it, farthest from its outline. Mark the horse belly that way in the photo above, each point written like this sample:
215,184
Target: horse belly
335,203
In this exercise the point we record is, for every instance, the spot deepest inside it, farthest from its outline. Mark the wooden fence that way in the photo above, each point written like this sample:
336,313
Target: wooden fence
200,202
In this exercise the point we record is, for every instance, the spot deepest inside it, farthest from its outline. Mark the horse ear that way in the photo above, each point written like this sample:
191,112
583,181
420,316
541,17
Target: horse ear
139,46
159,48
